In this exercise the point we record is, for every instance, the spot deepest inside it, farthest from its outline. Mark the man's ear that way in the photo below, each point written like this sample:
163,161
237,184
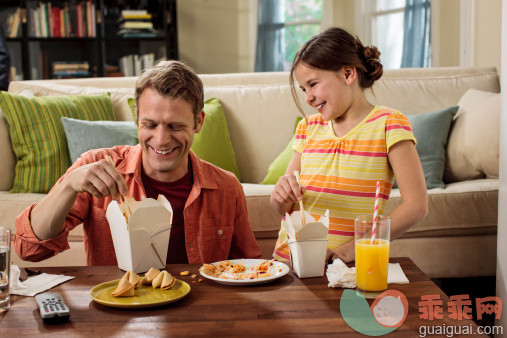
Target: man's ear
200,121
350,74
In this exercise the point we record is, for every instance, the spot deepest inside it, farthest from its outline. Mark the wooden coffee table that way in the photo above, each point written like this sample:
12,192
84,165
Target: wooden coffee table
286,306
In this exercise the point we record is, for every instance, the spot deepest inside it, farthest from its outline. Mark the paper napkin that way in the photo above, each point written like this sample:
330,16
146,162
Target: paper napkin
395,274
340,275
35,284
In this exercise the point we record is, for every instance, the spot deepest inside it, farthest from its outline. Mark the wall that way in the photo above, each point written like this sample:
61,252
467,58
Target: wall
487,34
501,273
445,33
209,35
215,36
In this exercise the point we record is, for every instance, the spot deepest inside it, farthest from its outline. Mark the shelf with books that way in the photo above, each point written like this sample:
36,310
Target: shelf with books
99,32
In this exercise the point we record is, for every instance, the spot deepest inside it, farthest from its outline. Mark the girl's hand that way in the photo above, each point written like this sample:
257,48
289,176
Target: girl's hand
287,192
345,252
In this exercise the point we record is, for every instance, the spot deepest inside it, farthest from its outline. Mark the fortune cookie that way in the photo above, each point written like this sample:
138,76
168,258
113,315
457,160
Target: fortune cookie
150,276
158,280
126,285
168,281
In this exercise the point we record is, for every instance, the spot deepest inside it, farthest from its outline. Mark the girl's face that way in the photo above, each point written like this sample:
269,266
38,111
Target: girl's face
329,92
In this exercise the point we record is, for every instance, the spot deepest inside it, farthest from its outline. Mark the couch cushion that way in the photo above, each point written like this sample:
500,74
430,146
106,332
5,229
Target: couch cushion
431,131
278,167
474,142
38,138
119,96
7,155
252,112
87,135
463,208
481,112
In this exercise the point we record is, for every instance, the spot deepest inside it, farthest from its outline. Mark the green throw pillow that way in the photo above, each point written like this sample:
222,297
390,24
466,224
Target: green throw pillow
212,143
278,167
87,135
38,137
431,131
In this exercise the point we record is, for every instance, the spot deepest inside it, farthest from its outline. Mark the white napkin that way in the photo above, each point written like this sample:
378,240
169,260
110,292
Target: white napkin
340,275
35,284
395,274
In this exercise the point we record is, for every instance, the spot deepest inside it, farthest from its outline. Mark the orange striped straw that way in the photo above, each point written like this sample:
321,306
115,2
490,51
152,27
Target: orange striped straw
375,214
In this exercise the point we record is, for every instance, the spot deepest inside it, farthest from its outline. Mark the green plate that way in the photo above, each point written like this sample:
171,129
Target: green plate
145,295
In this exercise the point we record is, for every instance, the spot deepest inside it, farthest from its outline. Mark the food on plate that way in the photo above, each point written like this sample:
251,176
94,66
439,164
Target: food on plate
264,266
159,279
167,281
238,271
150,276
126,285
211,270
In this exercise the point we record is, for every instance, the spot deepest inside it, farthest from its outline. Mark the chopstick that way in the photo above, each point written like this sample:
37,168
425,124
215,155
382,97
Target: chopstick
122,201
303,219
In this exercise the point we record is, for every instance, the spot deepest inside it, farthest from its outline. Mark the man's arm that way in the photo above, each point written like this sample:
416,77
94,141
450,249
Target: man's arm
99,179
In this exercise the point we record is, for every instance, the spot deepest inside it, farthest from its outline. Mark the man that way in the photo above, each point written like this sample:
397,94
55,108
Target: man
210,221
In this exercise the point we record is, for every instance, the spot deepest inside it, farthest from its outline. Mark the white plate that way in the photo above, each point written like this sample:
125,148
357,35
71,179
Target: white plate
249,264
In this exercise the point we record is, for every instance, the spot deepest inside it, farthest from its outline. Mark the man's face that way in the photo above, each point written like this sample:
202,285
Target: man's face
166,132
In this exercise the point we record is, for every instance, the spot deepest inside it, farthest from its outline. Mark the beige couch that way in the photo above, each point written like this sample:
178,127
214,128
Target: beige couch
456,239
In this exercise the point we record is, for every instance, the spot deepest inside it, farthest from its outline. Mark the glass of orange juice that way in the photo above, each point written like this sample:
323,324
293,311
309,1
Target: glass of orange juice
372,259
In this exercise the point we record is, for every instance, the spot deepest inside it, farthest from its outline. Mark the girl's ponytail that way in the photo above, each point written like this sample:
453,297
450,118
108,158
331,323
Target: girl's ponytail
373,66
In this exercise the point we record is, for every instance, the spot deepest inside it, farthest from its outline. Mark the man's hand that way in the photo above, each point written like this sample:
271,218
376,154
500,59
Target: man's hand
99,179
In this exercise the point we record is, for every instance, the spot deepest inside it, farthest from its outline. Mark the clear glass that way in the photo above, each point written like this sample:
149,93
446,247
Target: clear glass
372,259
5,268
388,37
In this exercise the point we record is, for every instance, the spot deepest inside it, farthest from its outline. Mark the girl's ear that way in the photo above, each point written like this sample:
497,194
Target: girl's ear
350,74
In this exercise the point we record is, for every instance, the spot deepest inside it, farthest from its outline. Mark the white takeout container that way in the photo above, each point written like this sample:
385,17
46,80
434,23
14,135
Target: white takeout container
307,244
143,243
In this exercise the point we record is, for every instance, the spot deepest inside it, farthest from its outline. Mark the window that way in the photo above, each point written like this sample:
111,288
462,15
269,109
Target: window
303,20
386,29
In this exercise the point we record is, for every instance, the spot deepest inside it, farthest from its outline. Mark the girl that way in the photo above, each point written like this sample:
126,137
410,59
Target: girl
349,145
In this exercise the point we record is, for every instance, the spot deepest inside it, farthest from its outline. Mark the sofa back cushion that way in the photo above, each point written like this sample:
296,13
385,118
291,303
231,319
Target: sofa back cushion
260,111
38,137
474,144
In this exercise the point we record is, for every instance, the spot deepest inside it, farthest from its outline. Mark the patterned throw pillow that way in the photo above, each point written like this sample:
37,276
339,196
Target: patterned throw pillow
38,137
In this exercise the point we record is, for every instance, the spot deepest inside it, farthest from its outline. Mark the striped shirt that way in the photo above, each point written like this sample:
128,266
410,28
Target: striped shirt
341,173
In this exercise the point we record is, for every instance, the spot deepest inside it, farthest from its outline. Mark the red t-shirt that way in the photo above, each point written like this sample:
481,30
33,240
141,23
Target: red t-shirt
176,193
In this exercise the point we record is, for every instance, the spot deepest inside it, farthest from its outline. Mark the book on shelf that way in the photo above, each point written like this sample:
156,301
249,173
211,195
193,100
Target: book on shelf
134,12
63,19
136,25
66,69
14,24
133,64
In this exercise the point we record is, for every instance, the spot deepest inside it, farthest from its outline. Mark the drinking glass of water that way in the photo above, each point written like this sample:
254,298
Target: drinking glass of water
5,267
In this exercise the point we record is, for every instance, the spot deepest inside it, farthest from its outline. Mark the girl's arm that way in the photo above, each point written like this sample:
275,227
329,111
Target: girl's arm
410,177
414,207
287,191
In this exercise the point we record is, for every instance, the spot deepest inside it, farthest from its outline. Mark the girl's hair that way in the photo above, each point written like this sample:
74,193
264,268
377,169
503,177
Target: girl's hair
334,49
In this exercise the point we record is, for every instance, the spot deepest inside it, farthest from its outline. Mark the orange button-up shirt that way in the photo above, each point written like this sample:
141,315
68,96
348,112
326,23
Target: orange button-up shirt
216,219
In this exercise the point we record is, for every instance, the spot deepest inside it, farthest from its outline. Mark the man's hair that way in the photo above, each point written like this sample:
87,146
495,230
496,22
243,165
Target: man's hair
175,80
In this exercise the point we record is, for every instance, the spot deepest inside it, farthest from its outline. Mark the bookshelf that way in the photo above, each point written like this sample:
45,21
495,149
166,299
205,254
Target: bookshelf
85,38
